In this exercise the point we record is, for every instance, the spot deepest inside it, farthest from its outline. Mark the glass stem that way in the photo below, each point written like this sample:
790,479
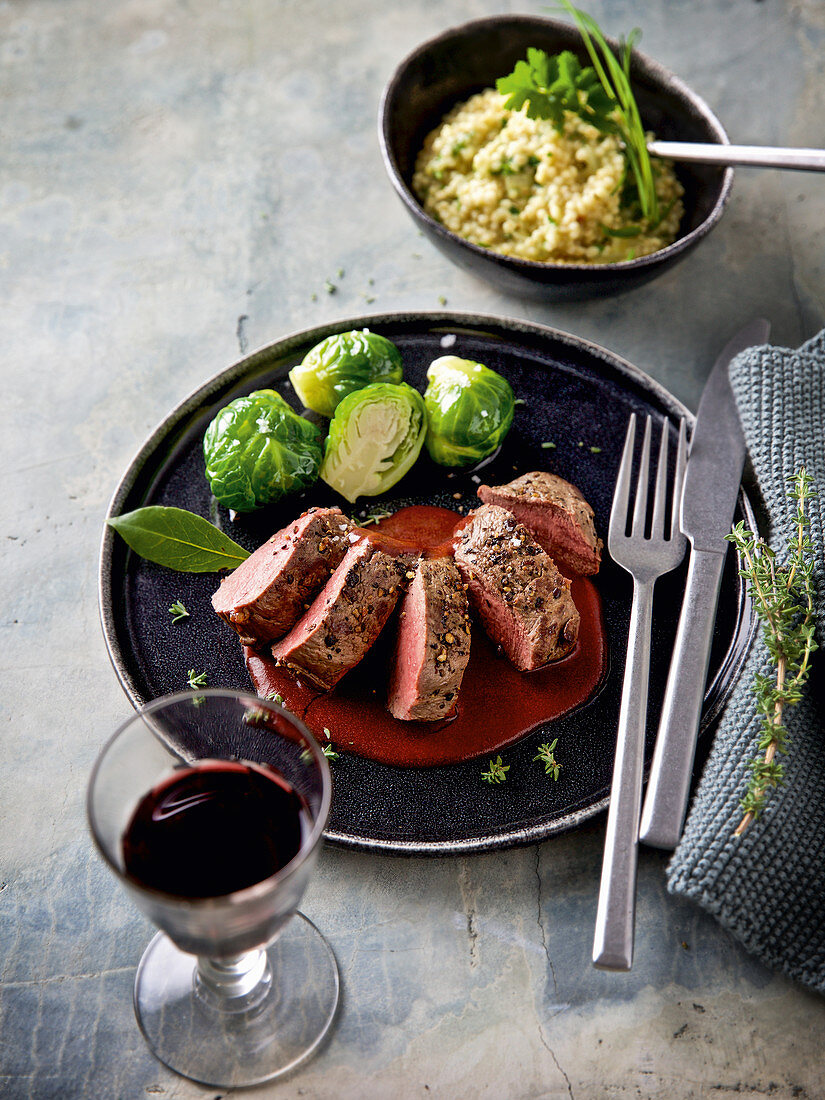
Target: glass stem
234,984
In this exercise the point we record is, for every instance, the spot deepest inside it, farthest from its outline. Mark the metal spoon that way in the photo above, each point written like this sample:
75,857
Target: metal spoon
753,156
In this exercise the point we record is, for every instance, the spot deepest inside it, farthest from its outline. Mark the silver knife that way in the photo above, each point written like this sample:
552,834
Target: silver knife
714,470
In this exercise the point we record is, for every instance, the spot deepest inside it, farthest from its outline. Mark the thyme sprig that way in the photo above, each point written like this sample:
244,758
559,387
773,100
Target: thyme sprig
178,612
496,771
546,755
374,515
783,596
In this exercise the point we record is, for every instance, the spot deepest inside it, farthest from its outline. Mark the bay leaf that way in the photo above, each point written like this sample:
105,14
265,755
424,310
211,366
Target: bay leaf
178,539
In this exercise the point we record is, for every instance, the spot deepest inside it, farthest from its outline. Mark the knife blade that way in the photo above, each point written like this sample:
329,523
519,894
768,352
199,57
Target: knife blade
714,471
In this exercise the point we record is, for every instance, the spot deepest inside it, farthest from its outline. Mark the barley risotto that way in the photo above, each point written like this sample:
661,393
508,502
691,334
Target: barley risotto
517,186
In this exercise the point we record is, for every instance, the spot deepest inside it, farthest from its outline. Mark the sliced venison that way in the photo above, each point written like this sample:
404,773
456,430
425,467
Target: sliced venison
433,644
346,616
263,598
522,599
557,515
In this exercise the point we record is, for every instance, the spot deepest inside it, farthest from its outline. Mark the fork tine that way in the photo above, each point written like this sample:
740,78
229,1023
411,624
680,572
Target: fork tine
621,495
678,481
658,527
640,507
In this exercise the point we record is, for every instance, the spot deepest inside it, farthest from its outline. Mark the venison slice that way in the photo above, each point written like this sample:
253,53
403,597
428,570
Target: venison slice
346,616
522,599
433,644
263,598
557,515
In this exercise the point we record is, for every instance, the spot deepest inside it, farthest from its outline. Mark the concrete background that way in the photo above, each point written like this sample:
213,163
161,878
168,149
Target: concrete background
178,182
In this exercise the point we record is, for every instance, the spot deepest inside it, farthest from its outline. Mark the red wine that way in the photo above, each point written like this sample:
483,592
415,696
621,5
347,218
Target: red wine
214,828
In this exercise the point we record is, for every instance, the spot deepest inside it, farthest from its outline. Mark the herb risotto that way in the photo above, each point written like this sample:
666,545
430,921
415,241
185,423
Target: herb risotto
518,186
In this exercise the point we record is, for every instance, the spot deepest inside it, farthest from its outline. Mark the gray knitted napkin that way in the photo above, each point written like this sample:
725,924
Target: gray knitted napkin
767,887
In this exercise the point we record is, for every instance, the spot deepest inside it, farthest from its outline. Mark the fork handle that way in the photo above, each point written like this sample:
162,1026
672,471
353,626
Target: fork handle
672,768
615,916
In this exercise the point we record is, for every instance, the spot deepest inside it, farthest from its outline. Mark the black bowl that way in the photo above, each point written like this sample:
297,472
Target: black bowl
467,59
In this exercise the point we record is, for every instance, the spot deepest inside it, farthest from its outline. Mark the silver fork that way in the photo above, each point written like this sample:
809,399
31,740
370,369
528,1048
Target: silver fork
646,559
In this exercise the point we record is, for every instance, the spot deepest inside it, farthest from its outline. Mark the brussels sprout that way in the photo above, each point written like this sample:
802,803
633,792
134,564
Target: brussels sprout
257,449
342,364
469,410
374,438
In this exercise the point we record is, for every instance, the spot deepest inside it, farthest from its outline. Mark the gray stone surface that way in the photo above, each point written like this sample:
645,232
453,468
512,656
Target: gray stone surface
178,182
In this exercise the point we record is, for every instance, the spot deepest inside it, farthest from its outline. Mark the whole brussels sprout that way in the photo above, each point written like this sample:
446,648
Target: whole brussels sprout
374,438
469,410
342,364
257,449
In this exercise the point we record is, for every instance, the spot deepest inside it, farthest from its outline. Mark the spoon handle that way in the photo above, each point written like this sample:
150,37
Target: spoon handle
755,156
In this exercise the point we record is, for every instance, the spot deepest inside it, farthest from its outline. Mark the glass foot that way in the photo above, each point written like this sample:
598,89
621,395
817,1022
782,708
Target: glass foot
246,1039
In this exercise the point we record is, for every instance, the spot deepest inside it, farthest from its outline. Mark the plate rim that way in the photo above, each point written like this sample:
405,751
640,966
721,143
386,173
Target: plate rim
517,835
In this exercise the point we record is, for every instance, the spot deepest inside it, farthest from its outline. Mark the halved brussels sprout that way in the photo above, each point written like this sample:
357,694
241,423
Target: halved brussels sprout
257,449
469,410
342,364
374,438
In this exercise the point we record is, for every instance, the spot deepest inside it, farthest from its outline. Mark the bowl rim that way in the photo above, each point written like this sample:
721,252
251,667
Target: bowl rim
531,268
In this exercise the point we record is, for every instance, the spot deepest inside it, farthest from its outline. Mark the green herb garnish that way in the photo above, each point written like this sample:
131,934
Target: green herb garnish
626,231
374,515
255,716
496,772
178,612
178,539
546,756
196,679
504,169
328,751
599,93
550,86
783,597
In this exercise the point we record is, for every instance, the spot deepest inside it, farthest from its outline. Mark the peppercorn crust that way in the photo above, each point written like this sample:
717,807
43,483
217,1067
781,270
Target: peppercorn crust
522,599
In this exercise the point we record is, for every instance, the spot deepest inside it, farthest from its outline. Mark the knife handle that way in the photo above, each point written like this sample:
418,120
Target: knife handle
667,791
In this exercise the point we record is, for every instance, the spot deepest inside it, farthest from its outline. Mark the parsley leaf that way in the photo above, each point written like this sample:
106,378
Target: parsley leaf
549,86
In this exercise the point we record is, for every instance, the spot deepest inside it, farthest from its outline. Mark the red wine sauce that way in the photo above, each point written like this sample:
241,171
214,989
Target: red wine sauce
497,704
214,828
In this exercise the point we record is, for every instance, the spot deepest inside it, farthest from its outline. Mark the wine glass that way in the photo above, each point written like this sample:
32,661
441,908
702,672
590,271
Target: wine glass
209,807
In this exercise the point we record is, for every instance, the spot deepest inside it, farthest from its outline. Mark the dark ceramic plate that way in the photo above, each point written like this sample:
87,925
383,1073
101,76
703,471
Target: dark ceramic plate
574,393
